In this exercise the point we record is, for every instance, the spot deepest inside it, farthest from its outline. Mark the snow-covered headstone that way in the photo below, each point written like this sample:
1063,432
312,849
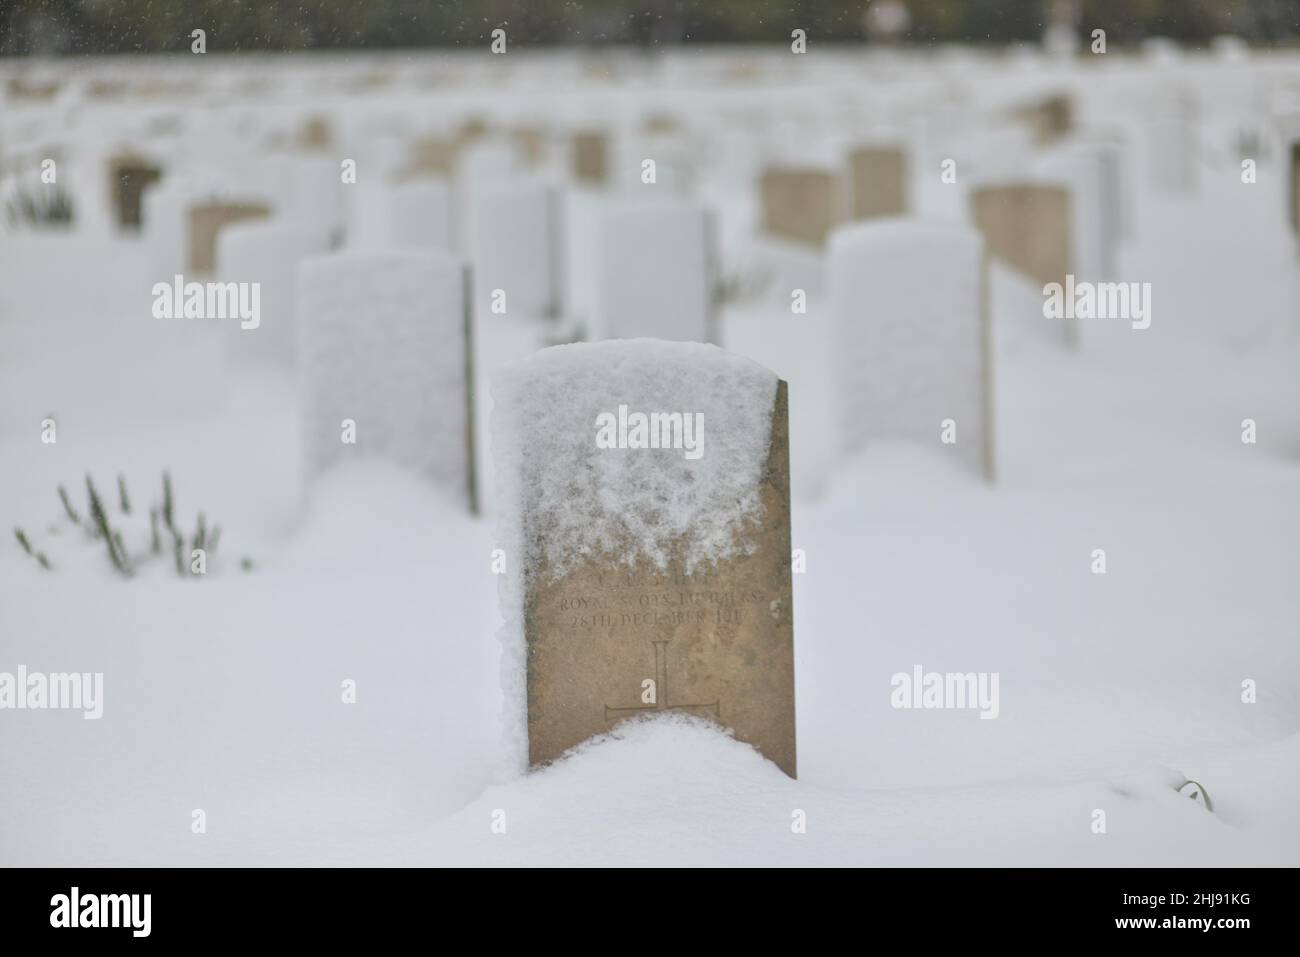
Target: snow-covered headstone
590,157
385,359
313,193
421,213
654,273
163,211
206,220
1029,227
800,204
1080,168
130,174
267,252
912,338
368,202
1172,141
1113,158
518,246
878,182
432,156
314,134
531,143
645,521
481,167
1049,118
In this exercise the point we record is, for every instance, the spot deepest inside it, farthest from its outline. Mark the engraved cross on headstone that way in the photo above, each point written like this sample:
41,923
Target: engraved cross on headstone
661,691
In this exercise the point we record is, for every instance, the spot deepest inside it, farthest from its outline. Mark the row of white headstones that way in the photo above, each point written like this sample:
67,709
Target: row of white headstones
382,327
385,334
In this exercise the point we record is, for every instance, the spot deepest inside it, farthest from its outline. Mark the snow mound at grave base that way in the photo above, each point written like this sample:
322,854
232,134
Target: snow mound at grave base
664,733
671,791
563,499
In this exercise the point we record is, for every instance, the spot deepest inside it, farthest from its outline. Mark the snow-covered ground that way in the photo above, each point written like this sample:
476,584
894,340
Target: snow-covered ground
224,694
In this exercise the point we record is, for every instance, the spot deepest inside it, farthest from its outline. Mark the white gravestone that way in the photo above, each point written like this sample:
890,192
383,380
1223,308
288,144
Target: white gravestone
912,338
1172,142
384,340
313,192
421,214
518,246
654,274
268,252
1092,236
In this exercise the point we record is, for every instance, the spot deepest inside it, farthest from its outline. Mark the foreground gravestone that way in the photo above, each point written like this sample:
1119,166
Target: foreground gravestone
386,364
206,221
912,355
644,580
518,244
654,273
1029,226
129,176
878,182
800,204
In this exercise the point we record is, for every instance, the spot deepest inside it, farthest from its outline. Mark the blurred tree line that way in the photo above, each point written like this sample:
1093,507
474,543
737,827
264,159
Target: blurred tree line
128,26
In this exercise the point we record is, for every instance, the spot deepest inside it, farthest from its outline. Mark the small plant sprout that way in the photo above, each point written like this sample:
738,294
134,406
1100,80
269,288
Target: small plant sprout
168,507
67,506
201,534
112,539
38,208
163,524
120,549
98,520
27,547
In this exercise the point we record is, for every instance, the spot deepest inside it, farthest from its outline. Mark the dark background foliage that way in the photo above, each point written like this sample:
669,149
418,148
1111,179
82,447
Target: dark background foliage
132,26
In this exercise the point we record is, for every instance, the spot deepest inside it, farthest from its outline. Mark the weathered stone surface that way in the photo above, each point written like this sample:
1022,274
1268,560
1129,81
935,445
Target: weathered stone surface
606,643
